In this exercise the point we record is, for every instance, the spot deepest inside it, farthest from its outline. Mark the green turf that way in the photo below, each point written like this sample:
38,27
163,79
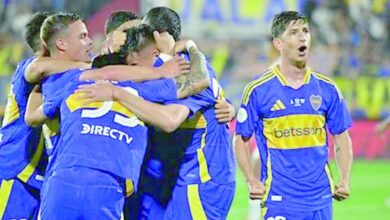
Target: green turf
369,200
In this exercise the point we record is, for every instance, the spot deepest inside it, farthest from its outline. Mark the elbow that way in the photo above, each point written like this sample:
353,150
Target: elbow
170,126
31,121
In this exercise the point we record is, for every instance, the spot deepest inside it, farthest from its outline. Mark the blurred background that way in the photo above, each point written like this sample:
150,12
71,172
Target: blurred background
350,43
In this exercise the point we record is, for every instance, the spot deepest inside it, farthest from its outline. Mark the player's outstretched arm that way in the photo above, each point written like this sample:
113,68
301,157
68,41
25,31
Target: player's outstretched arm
34,115
198,78
175,67
256,188
44,66
166,117
344,157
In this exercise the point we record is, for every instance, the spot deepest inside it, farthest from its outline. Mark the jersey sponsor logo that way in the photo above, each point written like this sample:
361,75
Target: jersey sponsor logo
107,132
315,101
242,115
278,106
297,132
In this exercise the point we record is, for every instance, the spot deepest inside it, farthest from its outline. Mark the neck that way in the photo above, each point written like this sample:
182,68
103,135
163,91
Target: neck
59,55
294,73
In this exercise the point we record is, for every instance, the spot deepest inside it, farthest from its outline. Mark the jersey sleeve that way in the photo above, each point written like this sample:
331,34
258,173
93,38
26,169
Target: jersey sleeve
338,118
54,89
51,98
247,115
160,90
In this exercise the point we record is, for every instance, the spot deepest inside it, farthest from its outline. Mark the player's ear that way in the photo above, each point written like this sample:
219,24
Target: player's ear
61,44
277,43
156,53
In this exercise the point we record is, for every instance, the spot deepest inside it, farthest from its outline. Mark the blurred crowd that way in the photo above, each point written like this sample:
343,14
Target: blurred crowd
350,43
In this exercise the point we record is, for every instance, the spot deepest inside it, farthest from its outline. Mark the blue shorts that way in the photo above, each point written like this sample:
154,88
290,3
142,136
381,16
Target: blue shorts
208,200
18,200
82,193
281,214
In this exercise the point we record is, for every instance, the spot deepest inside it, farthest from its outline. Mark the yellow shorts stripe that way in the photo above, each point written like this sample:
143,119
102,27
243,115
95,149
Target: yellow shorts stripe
5,192
196,208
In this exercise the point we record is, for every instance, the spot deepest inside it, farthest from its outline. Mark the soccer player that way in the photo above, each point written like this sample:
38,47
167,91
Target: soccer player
195,161
102,144
288,108
23,161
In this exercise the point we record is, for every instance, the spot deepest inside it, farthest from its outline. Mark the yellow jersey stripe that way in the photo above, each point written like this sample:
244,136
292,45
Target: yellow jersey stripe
196,208
329,81
329,174
5,192
198,121
281,78
203,168
129,186
263,212
26,173
307,75
248,89
11,112
267,184
251,86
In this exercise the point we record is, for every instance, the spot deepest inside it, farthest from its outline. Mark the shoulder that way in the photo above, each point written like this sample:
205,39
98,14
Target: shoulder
326,82
258,84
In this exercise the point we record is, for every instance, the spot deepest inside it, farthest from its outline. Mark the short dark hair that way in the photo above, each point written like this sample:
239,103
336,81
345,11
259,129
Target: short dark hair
117,58
56,23
283,19
164,19
33,29
138,38
117,18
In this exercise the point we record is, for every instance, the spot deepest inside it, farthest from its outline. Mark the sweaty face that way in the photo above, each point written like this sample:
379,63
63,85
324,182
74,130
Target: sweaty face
78,43
295,41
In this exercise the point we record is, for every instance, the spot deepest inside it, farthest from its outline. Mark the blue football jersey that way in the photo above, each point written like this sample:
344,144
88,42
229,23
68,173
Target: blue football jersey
101,135
290,128
22,152
199,150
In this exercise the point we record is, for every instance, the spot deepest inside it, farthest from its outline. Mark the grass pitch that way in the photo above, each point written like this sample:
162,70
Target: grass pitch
369,200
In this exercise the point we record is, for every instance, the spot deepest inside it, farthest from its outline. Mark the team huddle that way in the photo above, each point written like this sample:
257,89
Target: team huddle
140,131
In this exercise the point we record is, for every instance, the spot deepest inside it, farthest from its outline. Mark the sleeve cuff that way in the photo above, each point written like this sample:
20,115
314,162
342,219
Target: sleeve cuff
165,57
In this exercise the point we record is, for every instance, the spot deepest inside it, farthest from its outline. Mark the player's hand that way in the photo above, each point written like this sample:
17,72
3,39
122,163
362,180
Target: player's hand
175,67
341,191
113,42
102,90
256,189
165,42
224,111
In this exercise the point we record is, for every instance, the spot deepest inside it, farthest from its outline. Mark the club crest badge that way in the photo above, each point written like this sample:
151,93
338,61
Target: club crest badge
315,101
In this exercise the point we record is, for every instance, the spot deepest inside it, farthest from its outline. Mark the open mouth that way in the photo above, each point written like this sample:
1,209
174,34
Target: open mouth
302,48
